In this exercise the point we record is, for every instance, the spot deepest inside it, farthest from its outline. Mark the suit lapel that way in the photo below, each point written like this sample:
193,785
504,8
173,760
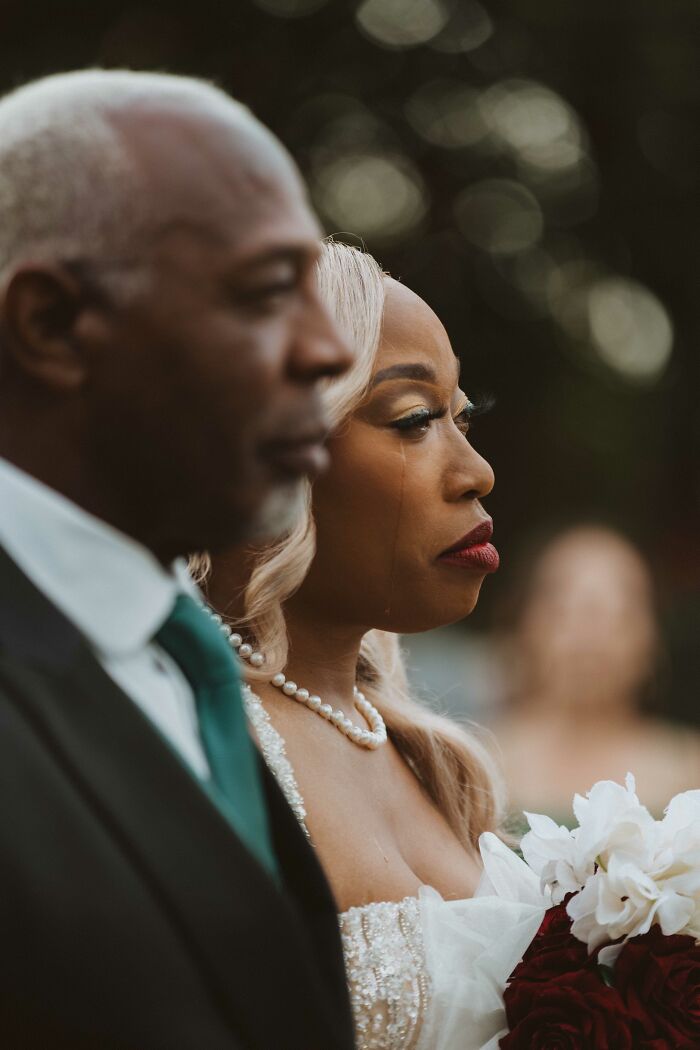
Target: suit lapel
223,904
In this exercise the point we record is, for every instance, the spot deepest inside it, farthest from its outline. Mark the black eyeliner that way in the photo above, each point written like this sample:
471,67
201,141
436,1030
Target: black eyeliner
423,415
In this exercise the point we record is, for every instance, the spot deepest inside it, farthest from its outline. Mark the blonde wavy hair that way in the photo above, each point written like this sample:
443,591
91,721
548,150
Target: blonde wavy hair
455,768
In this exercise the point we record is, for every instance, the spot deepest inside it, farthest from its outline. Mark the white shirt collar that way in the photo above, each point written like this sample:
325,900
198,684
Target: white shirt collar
112,588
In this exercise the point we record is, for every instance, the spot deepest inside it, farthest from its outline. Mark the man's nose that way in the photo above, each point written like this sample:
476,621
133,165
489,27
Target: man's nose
320,349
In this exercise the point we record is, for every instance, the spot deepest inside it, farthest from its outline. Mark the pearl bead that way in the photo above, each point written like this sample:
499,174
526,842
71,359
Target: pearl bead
364,738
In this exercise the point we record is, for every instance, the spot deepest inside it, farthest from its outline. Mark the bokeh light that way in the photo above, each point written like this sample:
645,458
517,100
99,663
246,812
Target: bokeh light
343,125
535,124
402,23
469,27
500,216
612,319
630,328
446,113
378,195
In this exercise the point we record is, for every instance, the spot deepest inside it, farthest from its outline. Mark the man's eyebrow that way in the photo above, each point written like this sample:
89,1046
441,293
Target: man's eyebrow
296,255
417,371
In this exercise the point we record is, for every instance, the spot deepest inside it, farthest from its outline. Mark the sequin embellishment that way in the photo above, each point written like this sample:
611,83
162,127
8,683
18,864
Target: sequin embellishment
382,942
385,963
274,753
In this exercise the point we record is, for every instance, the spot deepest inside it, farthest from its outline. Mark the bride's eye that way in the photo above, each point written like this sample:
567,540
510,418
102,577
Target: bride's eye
463,419
417,422
469,412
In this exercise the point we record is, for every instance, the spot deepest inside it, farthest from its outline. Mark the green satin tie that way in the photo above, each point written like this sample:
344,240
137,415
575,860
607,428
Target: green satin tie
200,649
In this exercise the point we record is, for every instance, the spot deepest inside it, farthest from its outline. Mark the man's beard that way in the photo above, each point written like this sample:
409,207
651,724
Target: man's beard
280,512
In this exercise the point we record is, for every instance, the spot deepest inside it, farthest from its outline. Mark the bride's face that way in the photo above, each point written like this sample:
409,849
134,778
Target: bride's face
404,487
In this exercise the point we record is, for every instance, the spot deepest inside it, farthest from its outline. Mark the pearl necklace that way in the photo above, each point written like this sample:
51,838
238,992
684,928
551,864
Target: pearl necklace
371,738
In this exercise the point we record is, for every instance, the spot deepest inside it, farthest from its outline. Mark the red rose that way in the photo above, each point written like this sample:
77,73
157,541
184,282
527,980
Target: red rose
574,1012
659,979
554,950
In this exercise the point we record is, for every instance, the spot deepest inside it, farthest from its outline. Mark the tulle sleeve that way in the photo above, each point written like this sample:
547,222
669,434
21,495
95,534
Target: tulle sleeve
472,946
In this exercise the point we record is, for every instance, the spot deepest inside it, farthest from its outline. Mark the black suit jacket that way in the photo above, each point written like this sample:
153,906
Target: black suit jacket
130,913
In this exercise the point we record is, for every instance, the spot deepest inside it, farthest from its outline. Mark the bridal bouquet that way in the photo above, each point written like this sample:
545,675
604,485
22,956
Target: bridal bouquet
616,960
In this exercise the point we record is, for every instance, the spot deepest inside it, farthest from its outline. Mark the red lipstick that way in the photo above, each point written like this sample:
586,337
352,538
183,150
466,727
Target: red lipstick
474,551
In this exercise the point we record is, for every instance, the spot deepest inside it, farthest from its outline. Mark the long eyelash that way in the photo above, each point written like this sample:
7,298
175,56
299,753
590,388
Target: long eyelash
423,415
472,410
481,404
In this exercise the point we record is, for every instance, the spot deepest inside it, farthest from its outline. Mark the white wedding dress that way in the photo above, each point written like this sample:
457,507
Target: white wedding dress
425,973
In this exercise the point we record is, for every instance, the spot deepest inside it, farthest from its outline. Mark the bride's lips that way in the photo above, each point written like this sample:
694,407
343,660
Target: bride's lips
298,454
474,551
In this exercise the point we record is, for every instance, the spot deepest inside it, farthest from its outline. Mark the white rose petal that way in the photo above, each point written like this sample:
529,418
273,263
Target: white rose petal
551,851
624,902
674,912
608,956
611,819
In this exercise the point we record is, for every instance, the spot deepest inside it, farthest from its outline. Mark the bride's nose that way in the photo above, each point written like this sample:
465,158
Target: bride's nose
468,475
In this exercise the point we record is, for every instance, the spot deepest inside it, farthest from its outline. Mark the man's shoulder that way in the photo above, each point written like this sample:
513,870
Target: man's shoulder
33,631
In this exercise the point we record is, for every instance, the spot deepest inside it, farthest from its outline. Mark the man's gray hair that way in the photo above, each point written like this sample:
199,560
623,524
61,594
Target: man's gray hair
69,184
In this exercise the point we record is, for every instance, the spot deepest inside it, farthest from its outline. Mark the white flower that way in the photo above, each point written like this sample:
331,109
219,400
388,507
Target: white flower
625,869
677,862
551,852
611,819
624,901
680,827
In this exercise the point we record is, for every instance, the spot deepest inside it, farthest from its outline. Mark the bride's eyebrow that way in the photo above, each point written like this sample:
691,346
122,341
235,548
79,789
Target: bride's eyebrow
416,370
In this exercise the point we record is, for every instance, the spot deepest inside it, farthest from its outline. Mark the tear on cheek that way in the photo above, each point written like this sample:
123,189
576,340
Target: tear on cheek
397,531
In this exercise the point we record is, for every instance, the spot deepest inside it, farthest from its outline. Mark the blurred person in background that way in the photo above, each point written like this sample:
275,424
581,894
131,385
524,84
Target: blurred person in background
161,345
585,650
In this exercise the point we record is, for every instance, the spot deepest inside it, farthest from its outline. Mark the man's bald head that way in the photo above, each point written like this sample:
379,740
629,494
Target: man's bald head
94,162
161,332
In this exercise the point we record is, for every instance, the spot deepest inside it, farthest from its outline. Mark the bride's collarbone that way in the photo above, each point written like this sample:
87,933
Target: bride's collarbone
377,834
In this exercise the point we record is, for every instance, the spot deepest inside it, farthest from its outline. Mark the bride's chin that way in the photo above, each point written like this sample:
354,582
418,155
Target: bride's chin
429,616
454,607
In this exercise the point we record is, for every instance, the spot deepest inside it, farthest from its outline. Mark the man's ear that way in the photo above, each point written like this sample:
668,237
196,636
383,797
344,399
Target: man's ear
38,315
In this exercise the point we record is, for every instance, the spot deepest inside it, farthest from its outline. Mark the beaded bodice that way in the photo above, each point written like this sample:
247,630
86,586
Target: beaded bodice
382,942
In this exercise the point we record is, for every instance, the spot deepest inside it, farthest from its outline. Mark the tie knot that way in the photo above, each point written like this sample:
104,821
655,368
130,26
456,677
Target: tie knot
197,644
